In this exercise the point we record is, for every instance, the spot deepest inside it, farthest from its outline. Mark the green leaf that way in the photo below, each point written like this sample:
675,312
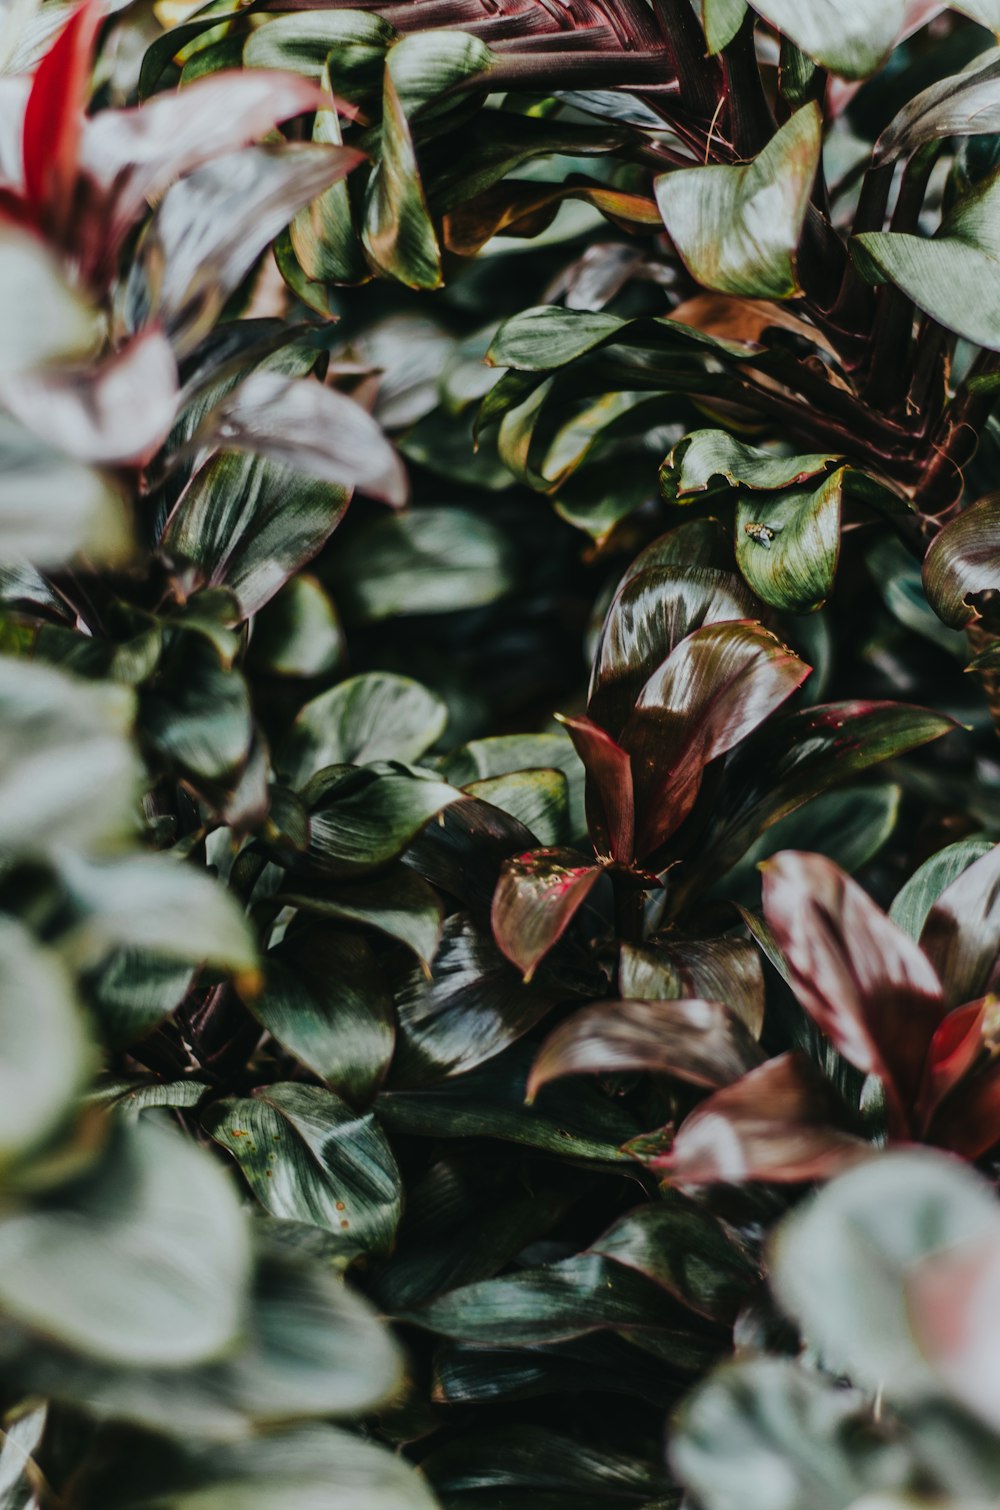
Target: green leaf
400,905
538,799
915,900
362,819
156,905
535,1459
722,19
787,546
965,104
578,1295
488,1102
537,897
856,1266
309,1158
44,319
703,1042
311,1468
132,992
850,39
326,1000
723,969
44,1050
250,524
398,232
961,935
197,715
504,754
952,275
680,1246
353,43
964,559
430,560
376,716
471,1009
143,1259
298,633
737,229
712,461
323,237
68,773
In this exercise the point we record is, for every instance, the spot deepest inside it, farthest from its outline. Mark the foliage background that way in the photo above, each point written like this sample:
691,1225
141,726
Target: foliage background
411,1096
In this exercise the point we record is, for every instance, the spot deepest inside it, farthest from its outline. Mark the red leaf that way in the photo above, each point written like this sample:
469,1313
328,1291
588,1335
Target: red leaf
610,812
968,1121
955,1047
537,897
53,116
779,1123
711,692
703,1042
865,983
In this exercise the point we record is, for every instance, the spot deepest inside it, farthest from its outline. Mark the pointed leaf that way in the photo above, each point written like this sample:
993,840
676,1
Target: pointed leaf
309,1158
737,228
961,936
915,900
250,524
699,1041
398,232
399,905
952,275
361,820
717,686
326,1000
964,559
375,716
779,1123
470,1009
850,39
965,104
53,116
537,897
609,795
862,980
788,544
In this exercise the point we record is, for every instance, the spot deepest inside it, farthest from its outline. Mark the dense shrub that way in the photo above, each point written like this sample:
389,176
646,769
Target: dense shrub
499,875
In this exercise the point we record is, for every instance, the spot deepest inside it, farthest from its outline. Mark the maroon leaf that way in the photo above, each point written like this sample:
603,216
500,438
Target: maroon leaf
114,414
652,612
134,155
964,559
538,895
715,969
714,689
53,116
961,936
311,428
954,1049
781,1122
865,983
610,811
703,1042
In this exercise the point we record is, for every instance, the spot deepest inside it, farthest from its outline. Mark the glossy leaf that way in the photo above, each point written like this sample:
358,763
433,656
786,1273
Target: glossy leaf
915,900
940,273
863,981
699,1041
737,229
376,716
717,686
398,232
961,934
724,969
966,104
470,1009
309,1158
788,545
249,524
399,904
781,1122
610,798
326,1000
537,897
51,508
962,560
304,40
538,799
364,818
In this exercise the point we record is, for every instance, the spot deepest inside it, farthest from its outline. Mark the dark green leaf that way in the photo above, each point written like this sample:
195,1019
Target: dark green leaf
326,1000
712,461
431,560
787,546
964,559
361,819
309,1158
377,716
398,904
